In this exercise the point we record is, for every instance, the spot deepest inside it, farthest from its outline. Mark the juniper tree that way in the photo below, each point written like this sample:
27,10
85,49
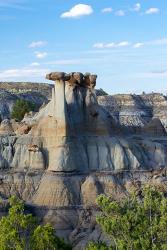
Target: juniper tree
134,223
20,231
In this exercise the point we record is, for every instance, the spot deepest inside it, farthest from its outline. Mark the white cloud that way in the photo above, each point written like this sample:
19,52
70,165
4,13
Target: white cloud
22,73
157,42
123,44
120,13
152,11
138,45
137,7
111,45
37,44
41,55
35,64
99,45
107,10
78,11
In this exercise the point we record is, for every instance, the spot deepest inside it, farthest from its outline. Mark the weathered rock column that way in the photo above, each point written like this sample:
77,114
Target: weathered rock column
59,101
53,101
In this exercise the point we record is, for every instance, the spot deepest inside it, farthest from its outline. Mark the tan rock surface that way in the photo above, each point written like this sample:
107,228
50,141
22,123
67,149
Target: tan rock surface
6,128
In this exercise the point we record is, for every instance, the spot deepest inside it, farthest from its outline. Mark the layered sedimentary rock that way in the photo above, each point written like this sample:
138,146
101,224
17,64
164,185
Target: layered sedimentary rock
135,111
81,136
63,157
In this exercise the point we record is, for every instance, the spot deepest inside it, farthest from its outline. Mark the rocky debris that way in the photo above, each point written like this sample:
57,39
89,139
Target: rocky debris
6,128
22,129
15,124
33,148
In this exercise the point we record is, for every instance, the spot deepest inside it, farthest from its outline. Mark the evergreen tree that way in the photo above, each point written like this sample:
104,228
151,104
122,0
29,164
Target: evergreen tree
134,223
20,231
44,238
20,108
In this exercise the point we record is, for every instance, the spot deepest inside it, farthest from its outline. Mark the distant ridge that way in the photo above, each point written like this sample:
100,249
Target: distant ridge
23,87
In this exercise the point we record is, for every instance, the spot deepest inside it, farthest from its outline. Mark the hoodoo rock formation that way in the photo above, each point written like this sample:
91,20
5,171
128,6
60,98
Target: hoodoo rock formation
74,150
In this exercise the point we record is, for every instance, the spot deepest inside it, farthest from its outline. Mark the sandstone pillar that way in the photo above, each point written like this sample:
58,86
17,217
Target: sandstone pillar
59,102
53,101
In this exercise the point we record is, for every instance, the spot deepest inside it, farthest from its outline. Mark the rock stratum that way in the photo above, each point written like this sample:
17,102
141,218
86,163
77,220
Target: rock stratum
136,112
79,146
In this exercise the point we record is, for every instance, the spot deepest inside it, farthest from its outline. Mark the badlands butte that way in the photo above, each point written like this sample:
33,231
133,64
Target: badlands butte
80,144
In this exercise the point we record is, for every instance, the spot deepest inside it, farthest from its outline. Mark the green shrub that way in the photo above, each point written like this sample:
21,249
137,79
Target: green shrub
20,231
20,108
97,246
134,223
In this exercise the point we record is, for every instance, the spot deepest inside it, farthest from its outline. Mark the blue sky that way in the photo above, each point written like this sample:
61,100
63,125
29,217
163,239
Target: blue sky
124,42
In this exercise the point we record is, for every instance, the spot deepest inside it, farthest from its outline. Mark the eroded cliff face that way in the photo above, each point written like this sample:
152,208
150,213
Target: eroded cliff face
136,111
62,158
